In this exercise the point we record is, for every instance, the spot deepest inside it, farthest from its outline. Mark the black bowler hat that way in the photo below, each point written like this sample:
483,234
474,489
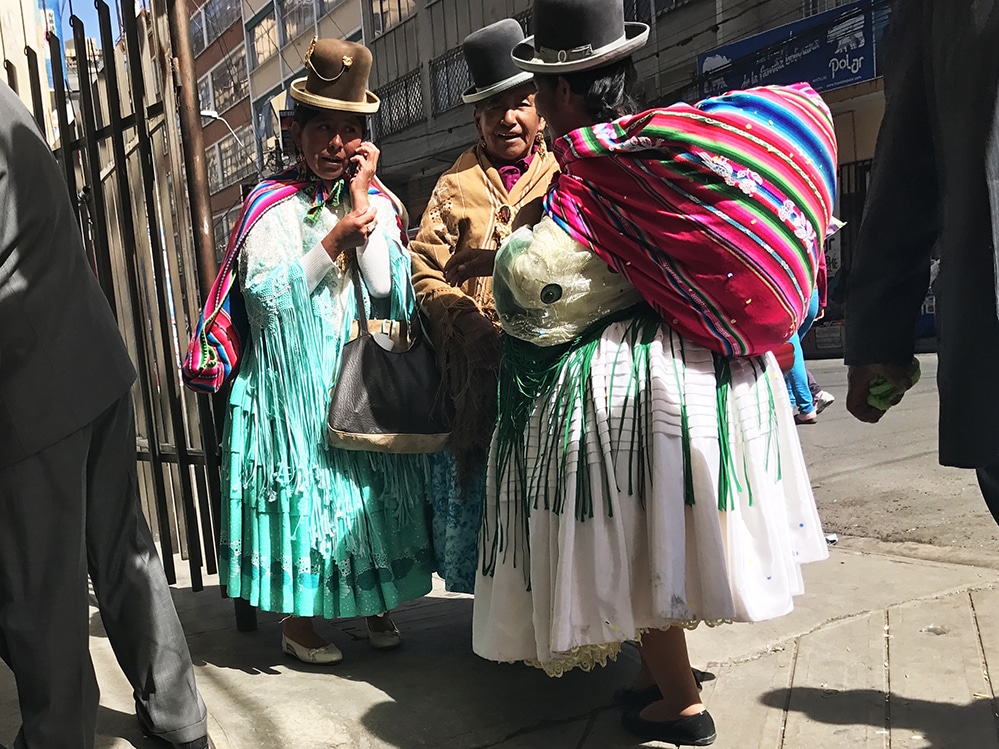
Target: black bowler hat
573,35
487,52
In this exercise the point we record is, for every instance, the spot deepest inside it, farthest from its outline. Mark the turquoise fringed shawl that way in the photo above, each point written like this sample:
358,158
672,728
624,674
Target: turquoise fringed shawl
278,460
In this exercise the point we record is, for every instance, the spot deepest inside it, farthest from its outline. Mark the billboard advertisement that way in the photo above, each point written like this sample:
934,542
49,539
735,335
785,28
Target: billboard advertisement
829,50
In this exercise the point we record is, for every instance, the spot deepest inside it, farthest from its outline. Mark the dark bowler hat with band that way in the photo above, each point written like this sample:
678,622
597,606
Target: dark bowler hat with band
338,77
487,52
574,35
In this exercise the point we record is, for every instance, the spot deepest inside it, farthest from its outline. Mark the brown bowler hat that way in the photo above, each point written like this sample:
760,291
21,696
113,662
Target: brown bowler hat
338,77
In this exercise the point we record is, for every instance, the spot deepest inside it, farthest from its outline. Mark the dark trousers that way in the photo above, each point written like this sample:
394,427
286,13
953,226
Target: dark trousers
67,510
44,635
988,480
133,594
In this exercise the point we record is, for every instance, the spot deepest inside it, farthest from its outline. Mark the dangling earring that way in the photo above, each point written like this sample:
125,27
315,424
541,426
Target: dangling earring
540,144
303,168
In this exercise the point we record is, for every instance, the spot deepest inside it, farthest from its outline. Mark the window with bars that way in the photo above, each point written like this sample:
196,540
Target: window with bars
402,104
198,33
205,99
236,160
449,79
222,227
230,83
262,39
219,16
209,21
814,7
263,117
645,10
297,17
524,19
387,13
212,165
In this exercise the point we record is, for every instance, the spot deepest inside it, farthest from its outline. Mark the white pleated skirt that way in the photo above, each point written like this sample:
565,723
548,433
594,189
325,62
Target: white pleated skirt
657,485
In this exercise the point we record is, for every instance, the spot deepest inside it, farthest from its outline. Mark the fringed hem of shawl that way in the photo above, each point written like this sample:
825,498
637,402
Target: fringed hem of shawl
276,432
401,483
470,361
553,384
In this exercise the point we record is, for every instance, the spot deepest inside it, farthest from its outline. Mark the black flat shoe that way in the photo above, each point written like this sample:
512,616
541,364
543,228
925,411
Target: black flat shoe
640,698
702,676
692,730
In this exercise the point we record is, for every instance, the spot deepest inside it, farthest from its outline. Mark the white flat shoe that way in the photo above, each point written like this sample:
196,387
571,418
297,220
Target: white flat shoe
327,655
387,640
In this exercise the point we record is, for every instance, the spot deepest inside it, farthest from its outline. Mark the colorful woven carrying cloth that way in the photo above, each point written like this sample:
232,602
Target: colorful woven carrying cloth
217,344
716,212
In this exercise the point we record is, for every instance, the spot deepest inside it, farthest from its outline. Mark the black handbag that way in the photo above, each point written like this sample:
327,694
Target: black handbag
388,401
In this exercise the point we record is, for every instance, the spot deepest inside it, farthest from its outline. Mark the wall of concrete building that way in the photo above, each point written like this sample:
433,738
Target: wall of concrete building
668,62
238,115
413,158
267,76
344,21
225,201
12,47
738,19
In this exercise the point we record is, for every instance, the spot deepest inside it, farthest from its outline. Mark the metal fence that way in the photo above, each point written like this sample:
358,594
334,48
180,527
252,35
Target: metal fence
524,19
449,79
124,168
402,104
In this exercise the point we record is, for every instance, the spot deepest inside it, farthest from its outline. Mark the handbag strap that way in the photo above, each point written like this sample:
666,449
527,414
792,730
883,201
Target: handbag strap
362,313
413,327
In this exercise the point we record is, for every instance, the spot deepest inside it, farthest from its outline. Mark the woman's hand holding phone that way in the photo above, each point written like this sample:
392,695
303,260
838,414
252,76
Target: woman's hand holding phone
361,171
353,230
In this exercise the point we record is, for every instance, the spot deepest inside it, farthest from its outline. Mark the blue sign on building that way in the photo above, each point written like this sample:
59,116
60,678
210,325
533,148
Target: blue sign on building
828,50
52,18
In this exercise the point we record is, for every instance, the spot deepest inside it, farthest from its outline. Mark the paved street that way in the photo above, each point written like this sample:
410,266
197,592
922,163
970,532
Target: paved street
891,647
883,481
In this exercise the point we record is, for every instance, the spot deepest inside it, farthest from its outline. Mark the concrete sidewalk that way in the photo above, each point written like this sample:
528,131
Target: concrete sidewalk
883,651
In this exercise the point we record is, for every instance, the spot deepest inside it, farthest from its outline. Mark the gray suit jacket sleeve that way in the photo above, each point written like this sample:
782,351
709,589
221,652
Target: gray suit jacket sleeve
63,359
889,275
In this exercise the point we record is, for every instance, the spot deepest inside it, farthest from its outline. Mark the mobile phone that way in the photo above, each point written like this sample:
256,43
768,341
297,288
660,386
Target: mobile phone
351,170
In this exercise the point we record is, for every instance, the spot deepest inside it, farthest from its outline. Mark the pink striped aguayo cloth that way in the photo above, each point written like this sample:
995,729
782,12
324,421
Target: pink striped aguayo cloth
716,212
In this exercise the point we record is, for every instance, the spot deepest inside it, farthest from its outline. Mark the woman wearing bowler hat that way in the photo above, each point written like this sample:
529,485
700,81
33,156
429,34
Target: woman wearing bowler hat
470,213
309,530
645,476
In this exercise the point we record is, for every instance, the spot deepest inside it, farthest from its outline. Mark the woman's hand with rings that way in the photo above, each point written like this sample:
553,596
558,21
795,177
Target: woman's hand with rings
351,231
466,264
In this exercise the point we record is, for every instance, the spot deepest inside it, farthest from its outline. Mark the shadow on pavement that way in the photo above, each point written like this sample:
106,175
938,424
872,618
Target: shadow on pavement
114,726
433,691
439,693
941,724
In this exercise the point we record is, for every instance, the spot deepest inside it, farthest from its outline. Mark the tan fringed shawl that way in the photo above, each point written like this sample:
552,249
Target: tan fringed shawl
469,208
